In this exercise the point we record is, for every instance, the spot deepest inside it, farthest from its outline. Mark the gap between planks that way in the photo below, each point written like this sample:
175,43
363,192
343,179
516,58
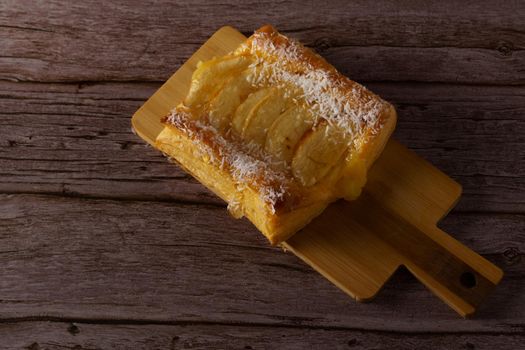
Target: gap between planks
146,322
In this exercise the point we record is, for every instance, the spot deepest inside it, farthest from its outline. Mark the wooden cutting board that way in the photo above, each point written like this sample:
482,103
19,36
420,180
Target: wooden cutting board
358,245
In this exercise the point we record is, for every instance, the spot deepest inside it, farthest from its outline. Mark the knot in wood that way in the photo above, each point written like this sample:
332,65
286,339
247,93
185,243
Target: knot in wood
505,48
512,255
322,44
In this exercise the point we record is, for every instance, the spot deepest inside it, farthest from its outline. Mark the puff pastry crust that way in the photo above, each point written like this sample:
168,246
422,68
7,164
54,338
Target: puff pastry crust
277,132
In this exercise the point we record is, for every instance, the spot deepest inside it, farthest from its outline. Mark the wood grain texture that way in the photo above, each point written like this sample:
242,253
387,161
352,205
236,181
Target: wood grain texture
472,42
74,335
149,261
75,139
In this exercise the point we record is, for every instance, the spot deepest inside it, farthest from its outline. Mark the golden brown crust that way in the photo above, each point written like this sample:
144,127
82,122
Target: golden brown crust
192,157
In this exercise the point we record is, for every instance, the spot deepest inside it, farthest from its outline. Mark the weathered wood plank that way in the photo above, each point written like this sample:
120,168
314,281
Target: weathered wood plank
59,41
477,24
166,262
76,139
60,335
443,65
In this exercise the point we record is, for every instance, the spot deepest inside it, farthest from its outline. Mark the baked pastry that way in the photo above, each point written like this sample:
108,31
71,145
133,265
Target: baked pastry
276,132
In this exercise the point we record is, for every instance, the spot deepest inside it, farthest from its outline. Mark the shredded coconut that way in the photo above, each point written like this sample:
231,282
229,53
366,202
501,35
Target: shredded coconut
247,163
322,92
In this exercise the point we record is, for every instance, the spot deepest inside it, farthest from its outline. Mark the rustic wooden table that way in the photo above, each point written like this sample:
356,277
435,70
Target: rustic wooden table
104,244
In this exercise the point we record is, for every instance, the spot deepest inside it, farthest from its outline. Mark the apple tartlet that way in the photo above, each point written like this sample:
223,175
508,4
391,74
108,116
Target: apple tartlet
276,132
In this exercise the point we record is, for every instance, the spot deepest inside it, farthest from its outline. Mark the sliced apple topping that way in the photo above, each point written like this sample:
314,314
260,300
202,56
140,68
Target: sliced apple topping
259,122
223,105
208,76
248,107
286,131
317,152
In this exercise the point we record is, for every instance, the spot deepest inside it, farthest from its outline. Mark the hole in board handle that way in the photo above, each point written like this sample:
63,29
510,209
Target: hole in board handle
468,279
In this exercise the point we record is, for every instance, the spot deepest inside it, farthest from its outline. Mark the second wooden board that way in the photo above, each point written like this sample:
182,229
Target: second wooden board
358,245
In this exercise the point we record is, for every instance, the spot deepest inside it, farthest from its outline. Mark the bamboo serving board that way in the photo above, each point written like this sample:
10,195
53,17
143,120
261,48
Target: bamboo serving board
359,245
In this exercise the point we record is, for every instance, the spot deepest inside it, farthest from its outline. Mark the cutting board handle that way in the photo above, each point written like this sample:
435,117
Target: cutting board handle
456,274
